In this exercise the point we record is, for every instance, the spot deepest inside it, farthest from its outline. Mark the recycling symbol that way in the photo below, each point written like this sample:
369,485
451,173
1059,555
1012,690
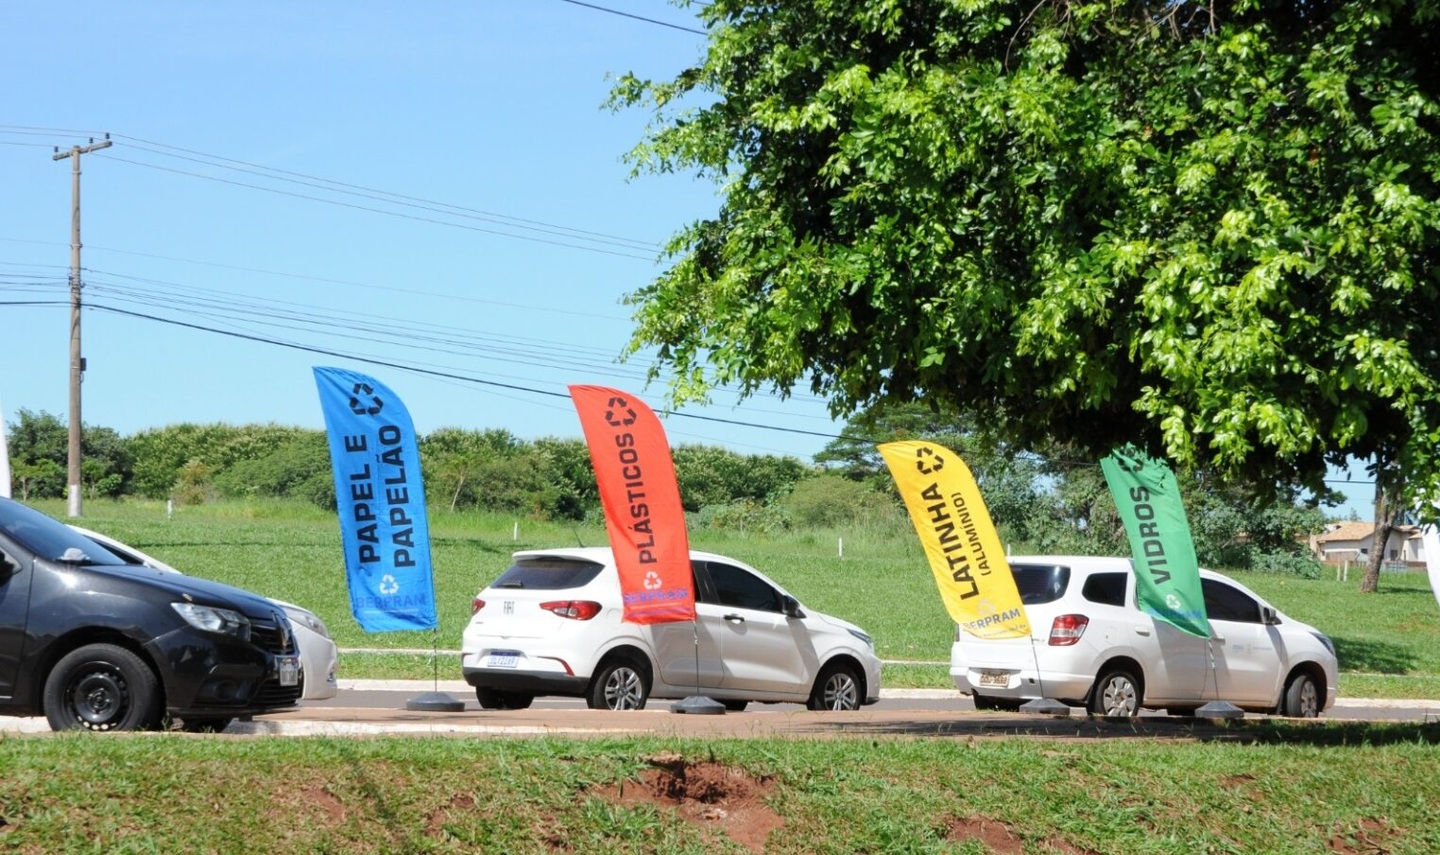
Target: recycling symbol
624,419
1173,602
388,585
361,407
929,466
652,581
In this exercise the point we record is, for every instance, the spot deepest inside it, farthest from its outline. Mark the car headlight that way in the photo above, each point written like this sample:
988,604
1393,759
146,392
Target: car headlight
307,619
869,642
1325,640
212,619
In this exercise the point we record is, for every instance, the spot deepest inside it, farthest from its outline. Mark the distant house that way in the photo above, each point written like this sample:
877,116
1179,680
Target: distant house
1350,543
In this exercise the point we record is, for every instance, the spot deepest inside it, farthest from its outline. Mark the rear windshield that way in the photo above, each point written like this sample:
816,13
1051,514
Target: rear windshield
1040,583
548,574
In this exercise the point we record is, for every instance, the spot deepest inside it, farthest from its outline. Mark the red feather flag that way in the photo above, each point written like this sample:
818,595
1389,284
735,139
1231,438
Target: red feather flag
641,499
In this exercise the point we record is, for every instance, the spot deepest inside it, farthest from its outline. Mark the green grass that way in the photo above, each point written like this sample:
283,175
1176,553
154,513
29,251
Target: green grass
1388,643
1289,790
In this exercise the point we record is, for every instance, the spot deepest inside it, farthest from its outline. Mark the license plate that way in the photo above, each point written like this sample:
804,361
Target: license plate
1000,679
289,668
503,659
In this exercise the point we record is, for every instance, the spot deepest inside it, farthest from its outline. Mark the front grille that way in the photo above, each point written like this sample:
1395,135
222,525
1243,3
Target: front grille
273,636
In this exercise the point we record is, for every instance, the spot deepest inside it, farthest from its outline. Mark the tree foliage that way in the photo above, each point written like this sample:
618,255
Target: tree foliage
1209,228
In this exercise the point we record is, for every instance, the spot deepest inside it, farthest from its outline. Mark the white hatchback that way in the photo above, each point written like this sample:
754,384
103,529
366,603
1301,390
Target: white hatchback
550,625
1092,646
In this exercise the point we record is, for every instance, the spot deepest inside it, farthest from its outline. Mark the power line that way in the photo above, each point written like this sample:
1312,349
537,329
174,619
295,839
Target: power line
637,17
399,366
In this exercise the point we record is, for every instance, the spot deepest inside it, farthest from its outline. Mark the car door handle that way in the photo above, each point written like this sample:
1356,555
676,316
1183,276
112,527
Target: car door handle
734,618
1142,630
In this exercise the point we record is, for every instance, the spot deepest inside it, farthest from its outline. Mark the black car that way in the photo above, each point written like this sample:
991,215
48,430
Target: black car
95,645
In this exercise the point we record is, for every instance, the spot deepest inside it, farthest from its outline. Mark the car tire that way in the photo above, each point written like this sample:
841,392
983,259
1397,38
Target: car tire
837,688
1302,697
1118,693
735,706
102,687
621,683
493,699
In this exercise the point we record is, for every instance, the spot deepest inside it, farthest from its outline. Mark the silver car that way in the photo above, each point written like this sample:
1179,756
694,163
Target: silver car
551,625
1091,645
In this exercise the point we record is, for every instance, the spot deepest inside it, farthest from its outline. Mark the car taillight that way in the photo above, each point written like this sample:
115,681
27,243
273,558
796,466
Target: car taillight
1067,629
574,609
476,605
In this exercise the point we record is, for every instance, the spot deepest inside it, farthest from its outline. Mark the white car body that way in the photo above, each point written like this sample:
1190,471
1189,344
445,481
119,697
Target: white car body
319,658
751,640
1257,659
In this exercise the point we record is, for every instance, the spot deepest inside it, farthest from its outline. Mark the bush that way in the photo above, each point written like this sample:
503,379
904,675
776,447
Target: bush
1288,563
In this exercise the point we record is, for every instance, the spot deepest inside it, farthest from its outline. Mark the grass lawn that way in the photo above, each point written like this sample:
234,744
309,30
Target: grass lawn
1292,790
1388,643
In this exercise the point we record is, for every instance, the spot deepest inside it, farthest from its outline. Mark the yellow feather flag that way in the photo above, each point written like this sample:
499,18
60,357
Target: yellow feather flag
959,538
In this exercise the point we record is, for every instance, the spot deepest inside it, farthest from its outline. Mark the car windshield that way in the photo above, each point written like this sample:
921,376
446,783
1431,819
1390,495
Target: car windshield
49,538
1040,583
548,574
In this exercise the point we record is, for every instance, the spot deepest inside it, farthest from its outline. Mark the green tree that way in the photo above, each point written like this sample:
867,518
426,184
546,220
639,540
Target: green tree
40,453
1207,228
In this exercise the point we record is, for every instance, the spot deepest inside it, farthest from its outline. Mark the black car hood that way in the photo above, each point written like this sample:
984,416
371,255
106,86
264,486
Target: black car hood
192,588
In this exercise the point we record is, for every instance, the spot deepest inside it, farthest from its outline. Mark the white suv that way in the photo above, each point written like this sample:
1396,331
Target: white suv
1092,646
550,625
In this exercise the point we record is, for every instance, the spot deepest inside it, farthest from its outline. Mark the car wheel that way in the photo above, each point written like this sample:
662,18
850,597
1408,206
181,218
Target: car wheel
1116,693
838,688
736,706
492,699
1302,697
102,687
622,683
205,723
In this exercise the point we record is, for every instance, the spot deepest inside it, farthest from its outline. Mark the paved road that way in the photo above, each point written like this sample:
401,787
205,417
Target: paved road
372,707
379,707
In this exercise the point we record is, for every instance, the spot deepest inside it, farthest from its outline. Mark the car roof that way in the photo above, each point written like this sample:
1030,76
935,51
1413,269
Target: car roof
604,555
1099,563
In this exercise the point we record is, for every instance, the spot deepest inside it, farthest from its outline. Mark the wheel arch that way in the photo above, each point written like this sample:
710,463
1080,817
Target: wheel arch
72,641
1128,663
855,665
1311,669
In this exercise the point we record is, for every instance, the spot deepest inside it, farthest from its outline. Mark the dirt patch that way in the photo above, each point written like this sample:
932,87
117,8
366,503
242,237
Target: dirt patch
723,800
440,817
1001,839
1372,837
996,836
323,803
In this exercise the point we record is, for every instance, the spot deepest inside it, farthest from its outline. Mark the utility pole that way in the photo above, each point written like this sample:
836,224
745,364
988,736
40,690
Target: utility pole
77,363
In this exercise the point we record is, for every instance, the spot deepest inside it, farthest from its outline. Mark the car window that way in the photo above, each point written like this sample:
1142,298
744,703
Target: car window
50,538
1040,583
1105,588
741,589
1226,602
548,574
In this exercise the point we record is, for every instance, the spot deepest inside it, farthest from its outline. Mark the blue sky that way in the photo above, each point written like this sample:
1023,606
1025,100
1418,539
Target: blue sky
432,185
435,185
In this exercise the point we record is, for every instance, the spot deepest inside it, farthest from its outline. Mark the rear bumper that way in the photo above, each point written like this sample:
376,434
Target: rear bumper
529,682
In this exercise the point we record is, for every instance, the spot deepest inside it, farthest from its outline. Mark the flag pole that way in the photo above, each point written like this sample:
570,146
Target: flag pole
697,704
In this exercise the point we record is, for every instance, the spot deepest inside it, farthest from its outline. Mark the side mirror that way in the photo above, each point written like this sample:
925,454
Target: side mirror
8,567
792,607
1268,616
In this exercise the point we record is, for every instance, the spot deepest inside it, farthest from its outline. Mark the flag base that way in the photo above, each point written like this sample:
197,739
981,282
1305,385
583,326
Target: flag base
435,702
1046,706
698,705
1219,710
